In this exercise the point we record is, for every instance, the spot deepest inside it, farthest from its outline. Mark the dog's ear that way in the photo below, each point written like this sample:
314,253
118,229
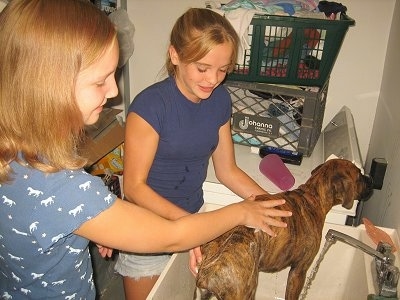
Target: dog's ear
343,191
328,164
316,169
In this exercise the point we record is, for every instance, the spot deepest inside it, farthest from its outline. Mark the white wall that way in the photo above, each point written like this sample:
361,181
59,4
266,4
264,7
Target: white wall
355,80
357,74
384,206
153,20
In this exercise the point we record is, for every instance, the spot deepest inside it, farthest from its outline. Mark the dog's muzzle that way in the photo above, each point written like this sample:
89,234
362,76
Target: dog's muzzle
368,188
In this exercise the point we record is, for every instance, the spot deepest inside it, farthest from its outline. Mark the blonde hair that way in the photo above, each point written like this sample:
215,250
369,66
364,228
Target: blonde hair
197,32
45,44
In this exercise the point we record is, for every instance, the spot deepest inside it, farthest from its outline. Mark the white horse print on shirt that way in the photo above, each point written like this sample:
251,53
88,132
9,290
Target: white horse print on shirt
33,192
8,201
76,210
85,186
48,201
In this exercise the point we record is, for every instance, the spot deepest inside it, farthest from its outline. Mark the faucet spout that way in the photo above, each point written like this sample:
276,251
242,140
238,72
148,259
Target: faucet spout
387,274
333,236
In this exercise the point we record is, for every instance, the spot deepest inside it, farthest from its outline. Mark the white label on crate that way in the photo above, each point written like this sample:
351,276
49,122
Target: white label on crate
256,125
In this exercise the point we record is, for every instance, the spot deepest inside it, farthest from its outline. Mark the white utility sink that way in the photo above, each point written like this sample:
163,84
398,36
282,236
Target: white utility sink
344,273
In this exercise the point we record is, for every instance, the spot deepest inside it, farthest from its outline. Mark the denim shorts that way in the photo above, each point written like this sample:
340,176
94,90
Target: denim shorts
141,265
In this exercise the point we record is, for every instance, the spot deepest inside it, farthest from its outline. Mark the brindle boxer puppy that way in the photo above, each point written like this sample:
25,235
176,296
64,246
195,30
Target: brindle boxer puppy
231,263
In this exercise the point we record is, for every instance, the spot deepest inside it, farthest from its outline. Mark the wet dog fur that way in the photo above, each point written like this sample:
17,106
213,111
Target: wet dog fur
231,263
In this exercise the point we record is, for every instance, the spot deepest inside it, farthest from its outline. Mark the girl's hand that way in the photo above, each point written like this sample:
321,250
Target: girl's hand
195,258
104,251
264,213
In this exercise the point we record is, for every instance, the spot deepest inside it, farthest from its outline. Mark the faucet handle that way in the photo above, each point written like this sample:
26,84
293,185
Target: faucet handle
387,272
387,281
386,250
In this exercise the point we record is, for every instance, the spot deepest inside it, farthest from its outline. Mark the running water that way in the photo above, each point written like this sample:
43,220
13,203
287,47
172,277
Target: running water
314,270
276,297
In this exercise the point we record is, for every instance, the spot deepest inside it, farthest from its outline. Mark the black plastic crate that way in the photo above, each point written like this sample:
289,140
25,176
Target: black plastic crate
288,117
291,50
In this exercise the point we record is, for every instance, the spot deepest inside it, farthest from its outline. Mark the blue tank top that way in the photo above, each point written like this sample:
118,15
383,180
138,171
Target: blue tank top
188,135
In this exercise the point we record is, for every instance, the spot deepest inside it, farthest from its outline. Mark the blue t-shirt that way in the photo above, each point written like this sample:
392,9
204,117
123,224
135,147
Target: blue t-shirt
188,135
40,256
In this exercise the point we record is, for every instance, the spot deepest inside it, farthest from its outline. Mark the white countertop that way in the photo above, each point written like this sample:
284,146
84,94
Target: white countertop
249,163
216,193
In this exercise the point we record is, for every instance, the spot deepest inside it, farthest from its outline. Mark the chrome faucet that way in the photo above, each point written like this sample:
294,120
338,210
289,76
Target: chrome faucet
387,274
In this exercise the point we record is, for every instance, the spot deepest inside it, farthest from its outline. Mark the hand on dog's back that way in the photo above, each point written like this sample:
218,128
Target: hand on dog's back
271,214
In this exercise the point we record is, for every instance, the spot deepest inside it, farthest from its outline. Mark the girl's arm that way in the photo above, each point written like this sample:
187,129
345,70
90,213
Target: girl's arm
126,226
226,169
141,142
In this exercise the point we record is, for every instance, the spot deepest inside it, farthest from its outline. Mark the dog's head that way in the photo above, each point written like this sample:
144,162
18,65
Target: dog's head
342,181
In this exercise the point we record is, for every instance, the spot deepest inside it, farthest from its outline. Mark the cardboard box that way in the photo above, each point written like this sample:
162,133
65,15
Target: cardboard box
103,136
112,163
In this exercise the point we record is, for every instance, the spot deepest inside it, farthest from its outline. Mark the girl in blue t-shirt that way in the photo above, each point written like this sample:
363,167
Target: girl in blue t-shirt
173,128
58,60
